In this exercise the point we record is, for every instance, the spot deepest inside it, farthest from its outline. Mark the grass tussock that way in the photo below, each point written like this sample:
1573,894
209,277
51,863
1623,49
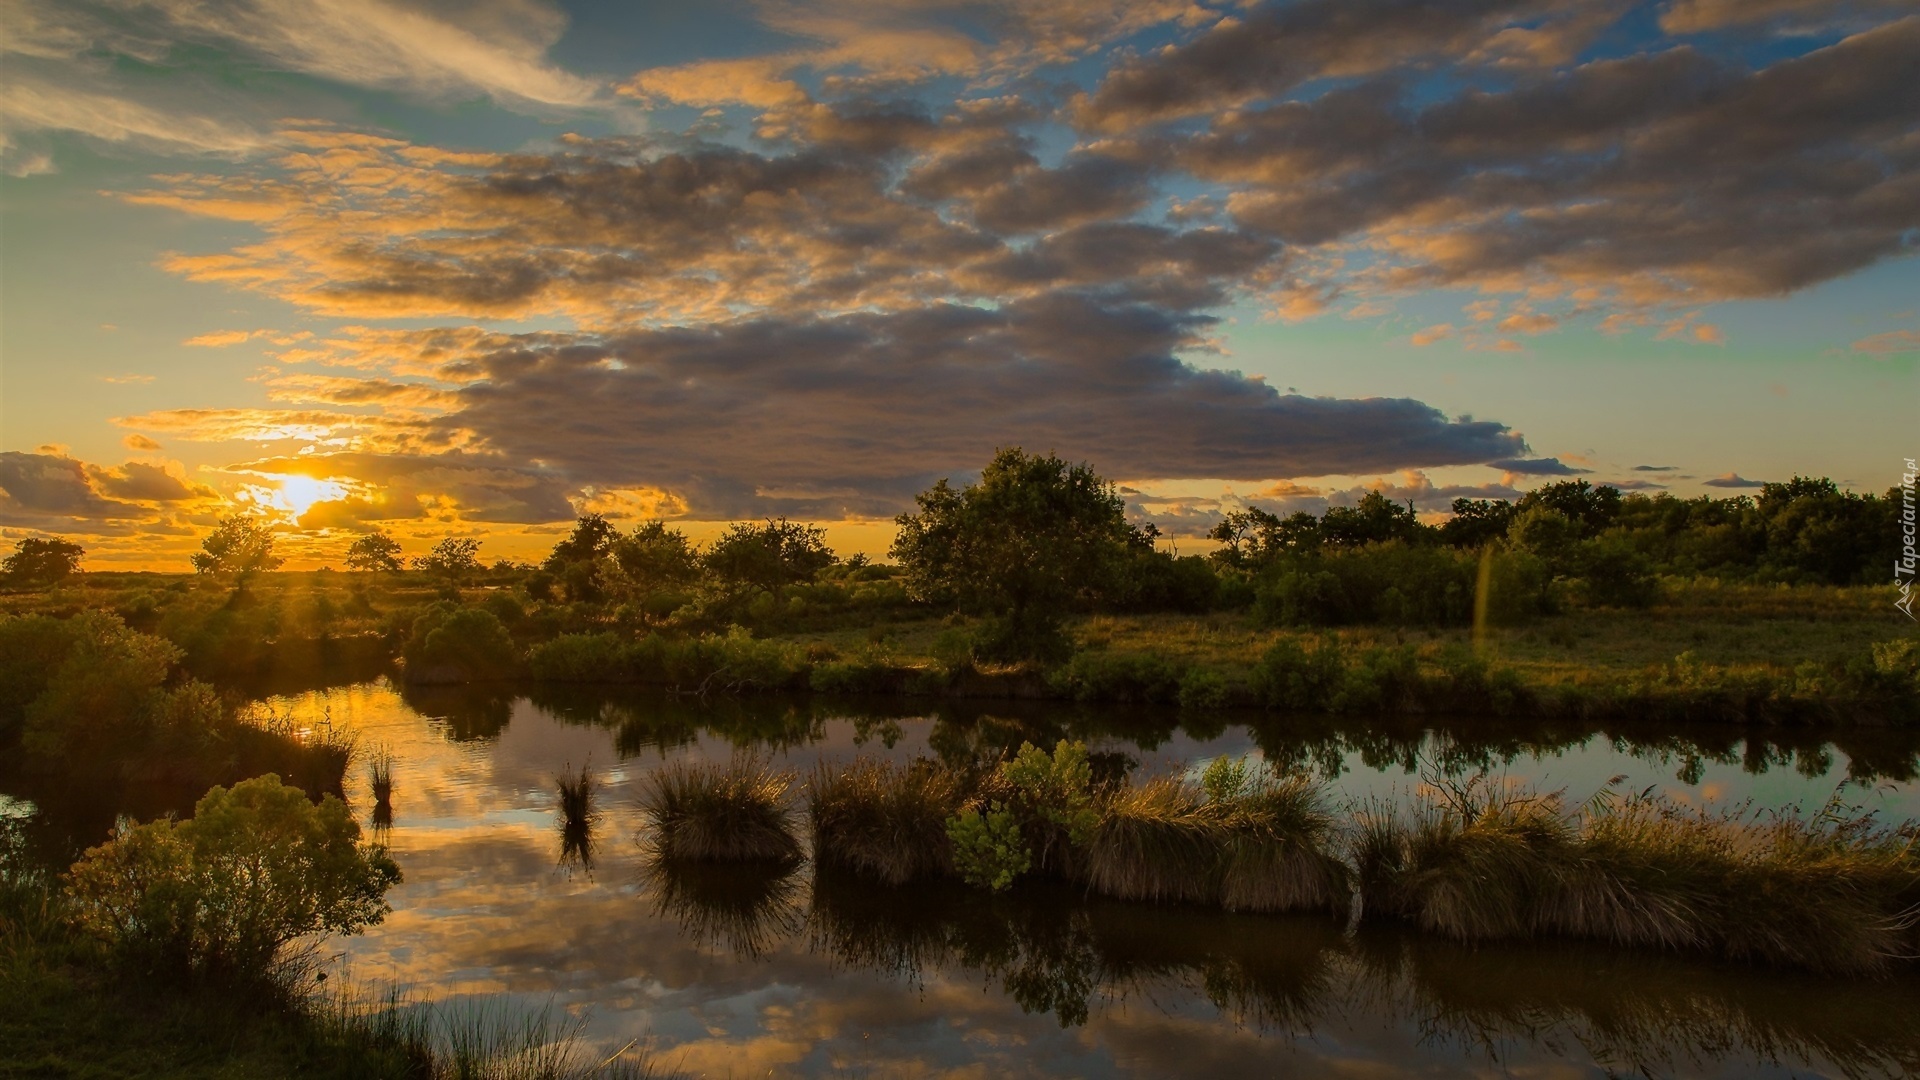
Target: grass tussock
1280,848
1156,841
721,813
888,821
1833,893
380,776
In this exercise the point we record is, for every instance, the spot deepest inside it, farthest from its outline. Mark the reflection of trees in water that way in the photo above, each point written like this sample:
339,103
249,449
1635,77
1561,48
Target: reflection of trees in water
646,720
470,713
1052,951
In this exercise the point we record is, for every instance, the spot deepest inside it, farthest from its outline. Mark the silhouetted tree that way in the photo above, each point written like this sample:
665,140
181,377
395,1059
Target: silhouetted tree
241,544
769,556
374,551
42,562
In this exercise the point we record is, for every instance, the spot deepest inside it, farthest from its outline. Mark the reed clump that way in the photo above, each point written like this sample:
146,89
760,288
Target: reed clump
380,777
721,813
1833,893
885,820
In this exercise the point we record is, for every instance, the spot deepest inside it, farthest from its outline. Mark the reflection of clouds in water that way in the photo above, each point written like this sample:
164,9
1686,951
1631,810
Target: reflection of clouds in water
487,909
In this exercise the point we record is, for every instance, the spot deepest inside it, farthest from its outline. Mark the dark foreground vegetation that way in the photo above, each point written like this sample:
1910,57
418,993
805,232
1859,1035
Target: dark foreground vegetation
186,949
1472,861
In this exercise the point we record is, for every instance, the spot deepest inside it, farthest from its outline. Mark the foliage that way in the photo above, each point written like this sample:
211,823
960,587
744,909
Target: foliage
654,556
592,537
240,544
1055,791
456,558
42,562
988,850
1033,537
375,551
449,643
769,556
256,867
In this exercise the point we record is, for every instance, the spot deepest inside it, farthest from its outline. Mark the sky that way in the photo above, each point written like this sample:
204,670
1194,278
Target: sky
453,268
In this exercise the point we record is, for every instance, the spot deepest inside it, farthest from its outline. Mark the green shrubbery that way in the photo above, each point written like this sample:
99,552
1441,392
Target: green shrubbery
223,892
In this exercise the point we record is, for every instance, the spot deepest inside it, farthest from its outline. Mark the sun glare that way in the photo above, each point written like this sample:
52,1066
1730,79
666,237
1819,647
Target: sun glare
297,494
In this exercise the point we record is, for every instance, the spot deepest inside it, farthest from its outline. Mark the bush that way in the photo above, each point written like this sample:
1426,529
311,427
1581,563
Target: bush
1124,677
581,658
450,644
988,850
256,867
1291,677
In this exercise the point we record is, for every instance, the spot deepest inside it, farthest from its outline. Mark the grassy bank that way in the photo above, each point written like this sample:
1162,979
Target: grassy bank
1470,862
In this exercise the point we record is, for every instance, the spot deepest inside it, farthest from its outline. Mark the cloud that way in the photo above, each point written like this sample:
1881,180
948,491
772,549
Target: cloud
853,414
124,380
141,482
448,487
137,441
1701,16
1432,334
1733,480
1656,468
52,492
1537,467
1891,343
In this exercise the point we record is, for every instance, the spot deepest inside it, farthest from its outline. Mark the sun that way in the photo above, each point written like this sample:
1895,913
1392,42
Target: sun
297,494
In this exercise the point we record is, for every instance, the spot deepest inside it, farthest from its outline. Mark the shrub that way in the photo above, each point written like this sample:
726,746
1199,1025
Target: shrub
1204,688
99,701
581,658
1053,795
222,893
1290,677
449,644
988,850
1123,677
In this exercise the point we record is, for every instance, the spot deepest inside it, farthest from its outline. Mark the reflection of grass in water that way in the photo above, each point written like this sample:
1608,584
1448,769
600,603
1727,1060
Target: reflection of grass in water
579,813
736,811
747,908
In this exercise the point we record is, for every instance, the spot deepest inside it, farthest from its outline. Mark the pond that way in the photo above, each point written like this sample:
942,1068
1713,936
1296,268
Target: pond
741,972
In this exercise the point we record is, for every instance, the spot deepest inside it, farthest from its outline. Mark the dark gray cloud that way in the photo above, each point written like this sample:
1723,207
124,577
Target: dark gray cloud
1660,176
1733,480
1278,46
1655,468
1537,467
52,484
854,414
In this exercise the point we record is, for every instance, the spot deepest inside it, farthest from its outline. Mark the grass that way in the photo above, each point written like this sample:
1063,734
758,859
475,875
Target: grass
1833,892
380,777
721,813
884,820
747,908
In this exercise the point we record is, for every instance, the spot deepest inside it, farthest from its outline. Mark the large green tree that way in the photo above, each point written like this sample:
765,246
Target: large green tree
1034,536
770,556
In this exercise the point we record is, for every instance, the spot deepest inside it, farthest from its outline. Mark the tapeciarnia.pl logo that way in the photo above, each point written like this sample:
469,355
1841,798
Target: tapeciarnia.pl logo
1903,566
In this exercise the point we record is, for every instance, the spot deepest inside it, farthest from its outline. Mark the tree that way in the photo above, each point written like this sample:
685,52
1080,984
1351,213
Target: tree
1592,508
1253,537
241,544
1477,522
770,556
256,867
455,557
374,552
1374,519
654,555
42,562
1035,535
591,538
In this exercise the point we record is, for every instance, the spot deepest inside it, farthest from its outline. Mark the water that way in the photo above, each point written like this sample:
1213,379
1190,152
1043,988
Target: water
742,972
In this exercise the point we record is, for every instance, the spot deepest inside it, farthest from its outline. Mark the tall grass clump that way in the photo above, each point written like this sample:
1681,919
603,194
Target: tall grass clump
1834,892
380,777
1280,840
722,813
1156,841
888,821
